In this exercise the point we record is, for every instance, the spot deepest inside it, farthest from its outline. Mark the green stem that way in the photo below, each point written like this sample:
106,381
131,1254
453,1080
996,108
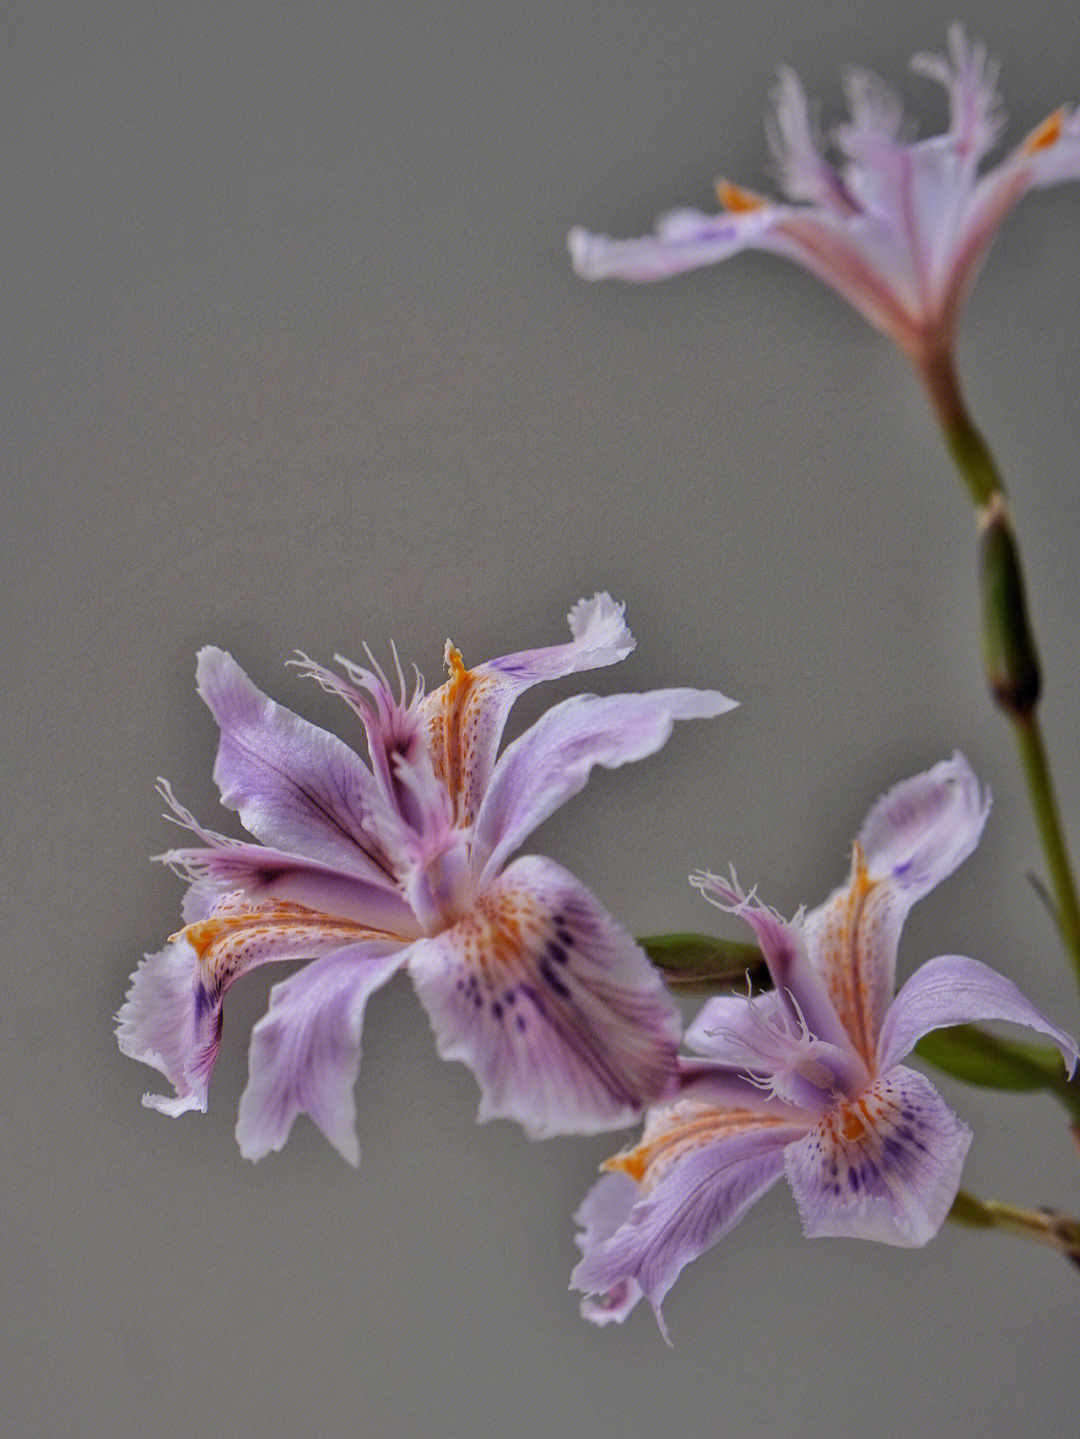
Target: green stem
1040,787
1042,1226
1008,642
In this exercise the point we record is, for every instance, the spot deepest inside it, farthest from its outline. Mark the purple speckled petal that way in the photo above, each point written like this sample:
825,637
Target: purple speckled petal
956,990
551,1004
604,1210
697,1198
886,1167
295,786
305,1051
552,761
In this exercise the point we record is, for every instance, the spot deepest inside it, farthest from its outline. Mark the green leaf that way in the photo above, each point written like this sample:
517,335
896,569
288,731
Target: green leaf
971,1054
702,961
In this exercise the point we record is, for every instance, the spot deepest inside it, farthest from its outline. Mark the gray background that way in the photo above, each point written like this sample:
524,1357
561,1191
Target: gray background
294,358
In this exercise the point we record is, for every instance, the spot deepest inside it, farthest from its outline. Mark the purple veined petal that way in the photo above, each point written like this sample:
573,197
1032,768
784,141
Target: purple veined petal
700,1194
797,981
171,1017
558,1013
886,1167
160,1025
305,1051
221,864
956,990
295,786
600,1214
466,715
925,827
551,761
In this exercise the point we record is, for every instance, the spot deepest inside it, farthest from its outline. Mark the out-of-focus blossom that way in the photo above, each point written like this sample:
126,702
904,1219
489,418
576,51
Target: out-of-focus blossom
403,863
898,227
806,1080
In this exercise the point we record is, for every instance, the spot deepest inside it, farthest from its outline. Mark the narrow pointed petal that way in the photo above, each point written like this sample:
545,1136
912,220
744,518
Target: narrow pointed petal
552,761
305,1051
886,1167
956,990
702,1191
600,1214
551,1004
466,715
295,786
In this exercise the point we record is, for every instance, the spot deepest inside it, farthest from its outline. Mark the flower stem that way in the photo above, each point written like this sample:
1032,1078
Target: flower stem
1009,650
1042,1226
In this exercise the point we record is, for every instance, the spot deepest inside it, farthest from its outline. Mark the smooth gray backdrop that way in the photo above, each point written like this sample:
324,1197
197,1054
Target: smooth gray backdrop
293,357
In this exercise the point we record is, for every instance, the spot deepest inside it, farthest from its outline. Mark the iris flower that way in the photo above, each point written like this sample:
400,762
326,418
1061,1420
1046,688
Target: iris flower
806,1080
897,227
366,869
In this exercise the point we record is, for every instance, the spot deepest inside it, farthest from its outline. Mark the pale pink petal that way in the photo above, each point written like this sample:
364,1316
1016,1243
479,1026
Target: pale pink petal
551,1004
295,786
886,1167
305,1051
552,761
955,990
603,1210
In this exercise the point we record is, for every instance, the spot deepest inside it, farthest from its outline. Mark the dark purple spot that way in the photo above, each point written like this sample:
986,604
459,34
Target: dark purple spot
853,1180
510,997
496,1010
521,1022
204,1002
478,1001
565,937
557,953
548,975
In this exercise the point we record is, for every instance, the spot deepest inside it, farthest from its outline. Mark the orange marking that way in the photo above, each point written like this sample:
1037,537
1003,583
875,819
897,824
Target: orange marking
1045,134
736,199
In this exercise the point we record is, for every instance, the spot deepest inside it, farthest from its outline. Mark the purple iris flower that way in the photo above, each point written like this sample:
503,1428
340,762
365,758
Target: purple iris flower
404,863
898,227
806,1080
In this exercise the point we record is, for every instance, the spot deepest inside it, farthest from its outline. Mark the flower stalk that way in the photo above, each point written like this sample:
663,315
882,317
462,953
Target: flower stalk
1041,1226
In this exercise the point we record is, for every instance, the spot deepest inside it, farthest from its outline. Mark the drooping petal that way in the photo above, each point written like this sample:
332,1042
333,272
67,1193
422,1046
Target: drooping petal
956,990
295,786
884,1167
160,1024
700,1170
913,837
683,240
550,762
172,1016
465,716
551,1004
604,1209
305,1051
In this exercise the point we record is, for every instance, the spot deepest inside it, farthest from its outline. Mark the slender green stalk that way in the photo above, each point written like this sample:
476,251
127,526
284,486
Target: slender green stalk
1042,1226
1040,787
1008,642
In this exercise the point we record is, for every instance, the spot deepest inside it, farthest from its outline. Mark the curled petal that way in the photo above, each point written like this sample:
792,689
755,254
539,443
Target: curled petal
295,786
161,1025
956,990
693,1203
551,1004
552,761
305,1051
600,1214
886,1167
